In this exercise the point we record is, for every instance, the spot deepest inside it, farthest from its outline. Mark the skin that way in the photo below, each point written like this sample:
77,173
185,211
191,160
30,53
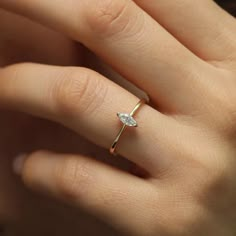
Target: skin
188,145
19,211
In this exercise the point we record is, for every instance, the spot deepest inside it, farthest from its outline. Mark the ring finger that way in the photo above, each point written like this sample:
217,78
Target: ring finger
86,102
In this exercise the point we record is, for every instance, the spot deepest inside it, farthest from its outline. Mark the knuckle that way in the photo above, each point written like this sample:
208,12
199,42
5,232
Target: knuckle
73,179
227,105
219,177
222,105
229,115
183,217
78,92
194,217
108,17
216,182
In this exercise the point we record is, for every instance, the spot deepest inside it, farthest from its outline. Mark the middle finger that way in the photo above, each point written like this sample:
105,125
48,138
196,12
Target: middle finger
131,41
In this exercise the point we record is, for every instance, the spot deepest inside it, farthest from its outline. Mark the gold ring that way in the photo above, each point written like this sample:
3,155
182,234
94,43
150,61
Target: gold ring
127,120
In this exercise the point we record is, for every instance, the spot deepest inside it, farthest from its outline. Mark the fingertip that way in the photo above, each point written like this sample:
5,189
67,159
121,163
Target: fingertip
35,170
18,163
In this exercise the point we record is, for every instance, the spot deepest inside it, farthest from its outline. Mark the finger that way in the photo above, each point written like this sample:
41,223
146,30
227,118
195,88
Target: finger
33,44
201,25
131,41
87,103
99,189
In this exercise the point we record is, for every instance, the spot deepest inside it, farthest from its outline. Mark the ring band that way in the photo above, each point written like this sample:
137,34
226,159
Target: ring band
127,120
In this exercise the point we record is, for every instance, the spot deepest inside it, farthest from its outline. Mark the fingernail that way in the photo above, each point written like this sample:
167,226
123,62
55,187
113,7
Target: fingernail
18,163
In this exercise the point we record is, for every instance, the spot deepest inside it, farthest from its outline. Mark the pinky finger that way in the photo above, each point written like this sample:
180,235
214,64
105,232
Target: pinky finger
108,193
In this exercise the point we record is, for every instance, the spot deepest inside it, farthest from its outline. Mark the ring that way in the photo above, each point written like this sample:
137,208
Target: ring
128,121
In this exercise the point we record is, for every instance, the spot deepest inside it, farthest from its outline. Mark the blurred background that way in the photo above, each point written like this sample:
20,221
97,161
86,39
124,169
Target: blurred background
229,5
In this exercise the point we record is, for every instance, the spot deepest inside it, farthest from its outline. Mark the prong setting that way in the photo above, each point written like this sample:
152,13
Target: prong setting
127,119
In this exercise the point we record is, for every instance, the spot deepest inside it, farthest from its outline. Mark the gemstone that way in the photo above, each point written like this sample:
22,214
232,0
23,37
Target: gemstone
127,119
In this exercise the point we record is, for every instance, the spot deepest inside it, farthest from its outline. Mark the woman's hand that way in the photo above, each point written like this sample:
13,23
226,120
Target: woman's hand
185,59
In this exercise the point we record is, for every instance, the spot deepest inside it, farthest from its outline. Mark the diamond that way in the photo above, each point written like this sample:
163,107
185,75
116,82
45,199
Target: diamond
127,119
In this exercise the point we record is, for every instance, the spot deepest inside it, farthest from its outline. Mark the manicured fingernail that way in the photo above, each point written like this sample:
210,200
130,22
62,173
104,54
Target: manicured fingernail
18,163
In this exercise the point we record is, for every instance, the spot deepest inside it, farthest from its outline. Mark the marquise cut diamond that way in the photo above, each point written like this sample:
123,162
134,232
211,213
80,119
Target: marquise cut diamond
127,119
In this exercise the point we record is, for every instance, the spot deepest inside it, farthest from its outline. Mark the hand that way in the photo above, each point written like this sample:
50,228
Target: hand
186,138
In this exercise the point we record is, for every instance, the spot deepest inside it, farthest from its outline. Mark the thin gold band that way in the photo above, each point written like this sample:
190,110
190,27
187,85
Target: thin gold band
132,113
